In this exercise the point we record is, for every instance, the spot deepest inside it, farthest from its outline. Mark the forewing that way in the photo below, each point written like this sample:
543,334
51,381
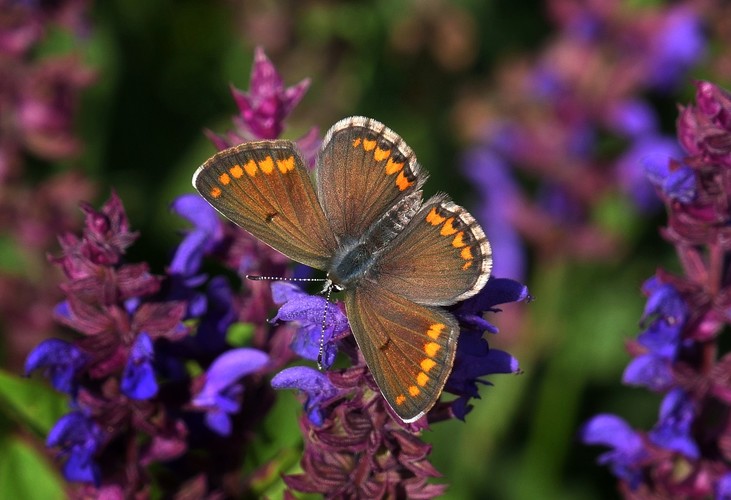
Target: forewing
409,348
265,188
441,257
363,170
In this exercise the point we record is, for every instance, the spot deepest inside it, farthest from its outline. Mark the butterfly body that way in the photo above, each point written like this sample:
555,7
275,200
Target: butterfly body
398,259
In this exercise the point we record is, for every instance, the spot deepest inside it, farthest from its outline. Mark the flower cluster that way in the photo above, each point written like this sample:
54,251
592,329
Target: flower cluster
264,108
576,118
154,374
678,354
38,103
355,446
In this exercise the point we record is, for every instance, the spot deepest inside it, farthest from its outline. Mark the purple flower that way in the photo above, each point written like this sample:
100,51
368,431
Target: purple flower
673,179
220,394
678,350
499,195
640,183
628,449
723,487
664,303
138,380
313,383
216,312
666,312
266,105
79,438
207,232
309,311
474,358
679,44
633,118
497,291
673,430
360,434
59,360
263,109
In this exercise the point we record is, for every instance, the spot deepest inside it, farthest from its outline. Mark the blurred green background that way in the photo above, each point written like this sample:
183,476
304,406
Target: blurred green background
163,73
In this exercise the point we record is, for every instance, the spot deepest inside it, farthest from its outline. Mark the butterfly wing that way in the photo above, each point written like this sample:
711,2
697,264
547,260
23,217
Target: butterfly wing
363,170
409,348
441,257
265,188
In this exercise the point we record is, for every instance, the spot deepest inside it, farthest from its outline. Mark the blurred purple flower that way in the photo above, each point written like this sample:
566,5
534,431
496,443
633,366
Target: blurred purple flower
673,430
59,360
723,487
308,311
138,379
666,312
220,394
664,303
628,448
633,118
677,353
78,438
649,370
648,151
675,180
499,194
678,45
314,384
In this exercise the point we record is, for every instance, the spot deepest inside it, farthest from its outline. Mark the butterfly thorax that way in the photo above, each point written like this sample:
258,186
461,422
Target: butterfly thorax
356,257
351,264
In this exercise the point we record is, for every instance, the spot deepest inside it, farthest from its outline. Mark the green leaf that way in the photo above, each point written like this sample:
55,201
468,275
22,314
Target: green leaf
26,473
31,402
240,334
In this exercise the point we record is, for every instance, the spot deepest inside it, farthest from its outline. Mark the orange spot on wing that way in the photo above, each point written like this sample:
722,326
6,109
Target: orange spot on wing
431,349
467,265
381,154
286,165
216,192
250,168
369,145
435,330
447,228
402,182
400,399
224,179
422,378
236,171
267,165
458,241
392,166
427,364
434,218
356,142
414,391
466,253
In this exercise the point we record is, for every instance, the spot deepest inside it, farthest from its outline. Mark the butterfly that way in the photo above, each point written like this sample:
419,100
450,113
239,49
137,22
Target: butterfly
397,259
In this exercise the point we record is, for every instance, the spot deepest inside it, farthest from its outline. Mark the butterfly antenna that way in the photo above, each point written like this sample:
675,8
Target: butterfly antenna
256,277
327,290
321,351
